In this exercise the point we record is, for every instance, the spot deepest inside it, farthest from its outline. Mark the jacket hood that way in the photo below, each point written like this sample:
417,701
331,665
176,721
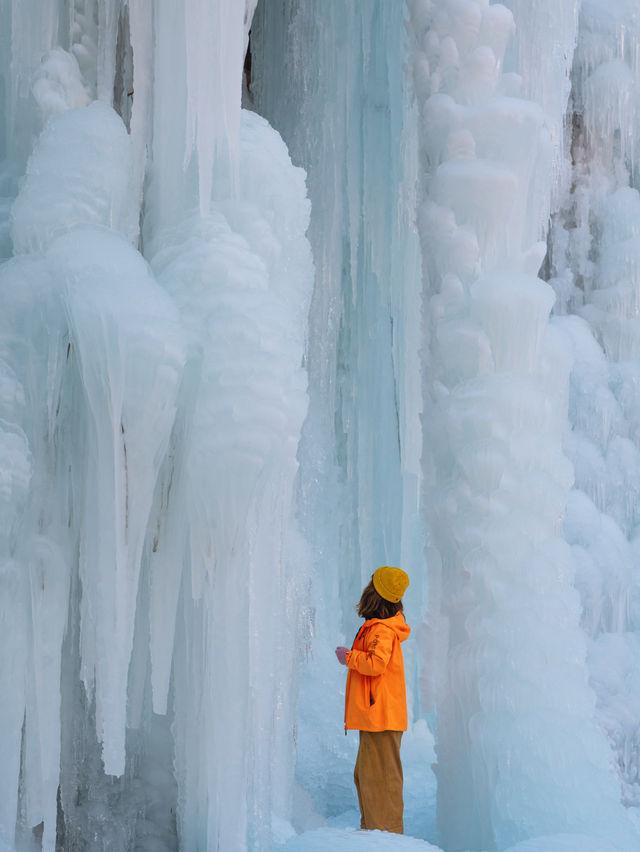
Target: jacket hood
396,623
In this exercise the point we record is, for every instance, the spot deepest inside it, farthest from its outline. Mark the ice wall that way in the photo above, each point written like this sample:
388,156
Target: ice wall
151,348
338,95
184,522
594,269
521,748
344,113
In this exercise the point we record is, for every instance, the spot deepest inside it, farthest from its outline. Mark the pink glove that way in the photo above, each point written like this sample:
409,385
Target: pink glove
341,654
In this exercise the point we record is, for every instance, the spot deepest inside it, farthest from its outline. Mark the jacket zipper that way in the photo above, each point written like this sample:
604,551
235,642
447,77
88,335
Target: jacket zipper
360,629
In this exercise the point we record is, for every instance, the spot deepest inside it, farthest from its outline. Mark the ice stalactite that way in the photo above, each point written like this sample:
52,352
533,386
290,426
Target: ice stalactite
107,352
112,336
517,733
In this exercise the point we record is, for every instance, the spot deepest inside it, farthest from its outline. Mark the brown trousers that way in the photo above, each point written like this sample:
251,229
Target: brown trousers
378,779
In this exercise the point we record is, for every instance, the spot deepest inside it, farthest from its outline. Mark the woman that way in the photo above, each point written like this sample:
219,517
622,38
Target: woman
376,702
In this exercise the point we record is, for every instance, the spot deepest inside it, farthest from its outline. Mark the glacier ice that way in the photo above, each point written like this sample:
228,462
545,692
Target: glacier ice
246,359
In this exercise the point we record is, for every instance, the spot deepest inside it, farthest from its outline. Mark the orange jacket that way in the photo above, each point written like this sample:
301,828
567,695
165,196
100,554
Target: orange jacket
376,698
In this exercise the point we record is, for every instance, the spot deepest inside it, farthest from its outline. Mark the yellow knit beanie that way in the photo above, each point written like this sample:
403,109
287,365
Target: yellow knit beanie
390,583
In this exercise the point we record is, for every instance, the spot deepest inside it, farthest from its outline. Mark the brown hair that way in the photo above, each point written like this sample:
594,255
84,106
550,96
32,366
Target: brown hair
373,605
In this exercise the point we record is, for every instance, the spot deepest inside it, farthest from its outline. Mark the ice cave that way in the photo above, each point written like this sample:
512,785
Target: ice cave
289,290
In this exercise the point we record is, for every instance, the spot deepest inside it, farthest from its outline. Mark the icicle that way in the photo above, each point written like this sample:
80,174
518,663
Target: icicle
129,347
33,30
140,13
215,34
107,12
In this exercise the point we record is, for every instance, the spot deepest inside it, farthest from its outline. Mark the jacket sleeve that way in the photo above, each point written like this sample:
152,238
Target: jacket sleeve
373,660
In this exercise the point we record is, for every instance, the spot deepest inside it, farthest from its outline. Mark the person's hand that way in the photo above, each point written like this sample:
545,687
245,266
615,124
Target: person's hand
341,654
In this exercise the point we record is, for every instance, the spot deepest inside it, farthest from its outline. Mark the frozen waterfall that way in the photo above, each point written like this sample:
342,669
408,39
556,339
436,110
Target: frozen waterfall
292,289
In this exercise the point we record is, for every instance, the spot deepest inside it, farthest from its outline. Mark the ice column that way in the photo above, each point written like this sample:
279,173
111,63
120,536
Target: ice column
519,751
595,269
241,278
225,226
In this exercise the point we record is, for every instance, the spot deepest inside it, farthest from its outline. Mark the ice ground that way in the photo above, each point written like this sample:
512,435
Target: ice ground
353,840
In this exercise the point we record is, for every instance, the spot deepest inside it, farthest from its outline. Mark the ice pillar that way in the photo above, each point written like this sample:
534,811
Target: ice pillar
519,750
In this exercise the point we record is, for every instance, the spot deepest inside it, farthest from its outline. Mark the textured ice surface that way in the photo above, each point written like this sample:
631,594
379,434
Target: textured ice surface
233,490
505,602
201,462
79,173
359,841
58,84
595,271
354,841
150,423
565,843
357,141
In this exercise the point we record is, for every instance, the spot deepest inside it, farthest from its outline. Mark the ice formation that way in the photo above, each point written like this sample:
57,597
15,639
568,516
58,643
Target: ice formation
230,387
516,694
152,407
